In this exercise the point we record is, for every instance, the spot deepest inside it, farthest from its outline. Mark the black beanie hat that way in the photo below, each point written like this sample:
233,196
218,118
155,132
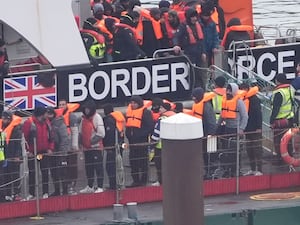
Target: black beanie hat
7,114
166,106
281,78
137,99
220,81
198,93
51,110
164,4
39,111
108,108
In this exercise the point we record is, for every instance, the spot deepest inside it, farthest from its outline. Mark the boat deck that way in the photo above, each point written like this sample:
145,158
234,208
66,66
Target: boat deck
231,205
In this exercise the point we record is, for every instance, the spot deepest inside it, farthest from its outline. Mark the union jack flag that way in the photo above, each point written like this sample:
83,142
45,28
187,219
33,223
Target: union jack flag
26,93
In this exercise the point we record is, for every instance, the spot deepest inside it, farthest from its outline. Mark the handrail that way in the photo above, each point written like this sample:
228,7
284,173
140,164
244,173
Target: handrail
31,72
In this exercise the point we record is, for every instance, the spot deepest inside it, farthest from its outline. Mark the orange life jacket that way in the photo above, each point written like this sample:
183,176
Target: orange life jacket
123,25
120,120
192,38
71,107
235,28
16,120
101,25
134,117
99,37
170,30
252,91
229,107
197,109
155,116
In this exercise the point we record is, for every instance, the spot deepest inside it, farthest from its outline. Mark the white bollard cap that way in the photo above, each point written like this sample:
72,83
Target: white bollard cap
181,127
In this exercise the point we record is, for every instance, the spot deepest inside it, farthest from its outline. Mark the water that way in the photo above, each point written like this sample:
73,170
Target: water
270,12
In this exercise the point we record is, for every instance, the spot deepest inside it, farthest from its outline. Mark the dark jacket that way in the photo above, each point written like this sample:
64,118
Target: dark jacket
211,37
255,114
14,147
209,119
60,135
140,135
181,39
110,131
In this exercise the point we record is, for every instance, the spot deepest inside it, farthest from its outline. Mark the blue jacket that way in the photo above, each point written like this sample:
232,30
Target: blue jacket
211,36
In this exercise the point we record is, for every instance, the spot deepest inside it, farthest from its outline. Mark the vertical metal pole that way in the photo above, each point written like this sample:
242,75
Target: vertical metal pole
116,162
238,157
25,167
36,179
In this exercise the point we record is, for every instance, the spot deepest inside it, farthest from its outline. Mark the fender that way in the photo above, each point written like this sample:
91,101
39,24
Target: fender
284,147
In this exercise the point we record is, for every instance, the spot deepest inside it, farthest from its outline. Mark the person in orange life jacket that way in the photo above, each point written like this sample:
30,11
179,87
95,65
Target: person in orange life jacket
169,25
4,64
61,147
165,111
203,109
112,120
235,117
151,42
91,134
72,122
120,7
221,18
282,116
211,37
190,38
110,25
164,6
253,130
235,35
125,45
38,127
11,126
139,126
155,109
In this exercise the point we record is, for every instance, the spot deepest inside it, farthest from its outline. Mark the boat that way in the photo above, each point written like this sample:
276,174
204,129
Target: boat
48,57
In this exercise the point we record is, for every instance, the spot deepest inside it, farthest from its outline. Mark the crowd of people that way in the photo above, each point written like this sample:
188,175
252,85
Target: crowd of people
123,30
54,137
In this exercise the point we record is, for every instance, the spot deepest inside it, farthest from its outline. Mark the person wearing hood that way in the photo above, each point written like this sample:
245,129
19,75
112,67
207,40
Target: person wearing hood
37,128
241,35
169,24
235,117
10,156
91,134
125,46
282,115
203,109
190,39
61,146
139,127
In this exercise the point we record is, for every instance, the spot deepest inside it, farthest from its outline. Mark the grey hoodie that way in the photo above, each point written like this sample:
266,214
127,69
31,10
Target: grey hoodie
242,114
60,135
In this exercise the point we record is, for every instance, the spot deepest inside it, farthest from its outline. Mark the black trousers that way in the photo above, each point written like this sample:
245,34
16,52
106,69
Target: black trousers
59,172
44,165
72,159
111,167
138,157
254,150
11,176
94,165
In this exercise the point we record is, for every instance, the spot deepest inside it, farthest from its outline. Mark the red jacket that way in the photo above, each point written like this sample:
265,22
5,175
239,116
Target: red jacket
44,140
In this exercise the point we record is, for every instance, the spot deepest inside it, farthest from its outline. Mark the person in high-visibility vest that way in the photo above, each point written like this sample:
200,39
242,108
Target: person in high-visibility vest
282,115
165,112
253,131
10,127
